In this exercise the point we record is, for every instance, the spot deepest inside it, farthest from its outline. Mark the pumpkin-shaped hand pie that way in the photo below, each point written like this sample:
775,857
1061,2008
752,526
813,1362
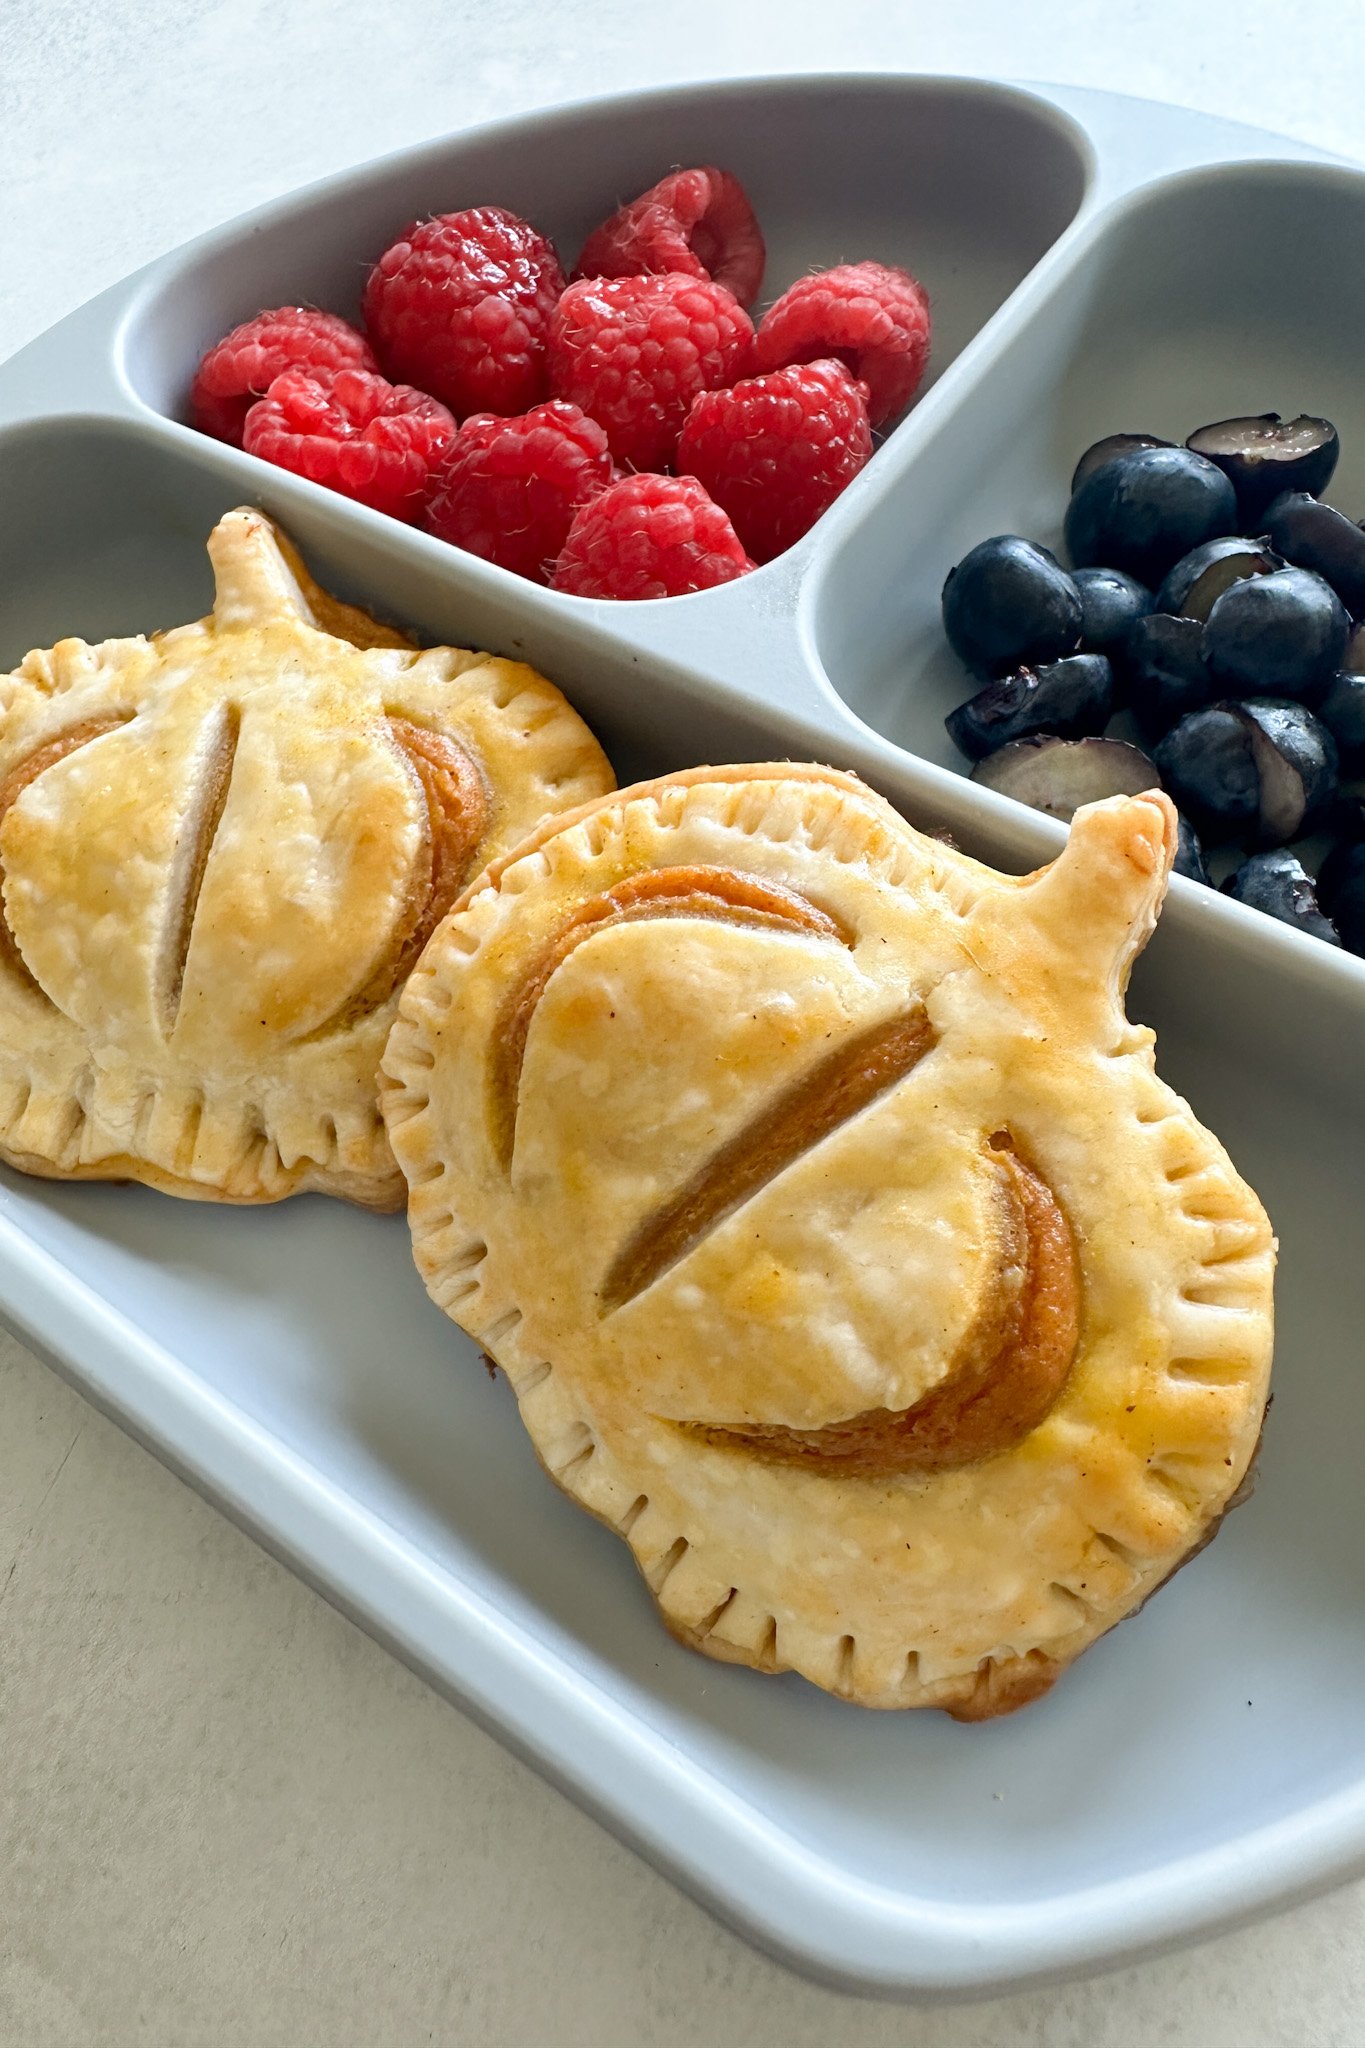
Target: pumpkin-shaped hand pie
829,1219
221,850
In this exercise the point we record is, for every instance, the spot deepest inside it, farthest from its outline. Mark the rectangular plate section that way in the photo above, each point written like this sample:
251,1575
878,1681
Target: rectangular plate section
1208,1758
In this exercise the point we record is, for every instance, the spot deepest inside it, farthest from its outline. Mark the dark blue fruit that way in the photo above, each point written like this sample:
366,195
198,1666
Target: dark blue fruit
1341,892
1282,635
1342,711
1110,602
1144,510
1058,776
1262,772
1100,452
1315,536
1164,671
1189,854
1071,699
1266,455
1009,605
1198,580
1279,884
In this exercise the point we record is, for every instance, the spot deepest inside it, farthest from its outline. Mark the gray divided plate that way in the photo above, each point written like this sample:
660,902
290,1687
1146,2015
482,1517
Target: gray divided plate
1095,263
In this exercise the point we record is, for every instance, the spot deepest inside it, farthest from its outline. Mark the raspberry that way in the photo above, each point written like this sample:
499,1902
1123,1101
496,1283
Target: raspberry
241,367
774,452
460,306
354,432
697,221
873,319
649,536
635,351
508,489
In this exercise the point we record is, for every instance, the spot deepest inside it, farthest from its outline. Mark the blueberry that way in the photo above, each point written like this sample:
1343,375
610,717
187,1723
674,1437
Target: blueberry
1279,884
1341,891
1100,452
1315,536
1342,711
1207,765
1262,772
1189,854
1009,605
1110,602
1281,635
1296,760
1267,455
1199,578
1144,510
1058,776
1071,698
1164,671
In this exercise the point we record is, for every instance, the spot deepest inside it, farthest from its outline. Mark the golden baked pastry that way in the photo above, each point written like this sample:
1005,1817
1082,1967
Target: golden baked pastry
828,1217
221,850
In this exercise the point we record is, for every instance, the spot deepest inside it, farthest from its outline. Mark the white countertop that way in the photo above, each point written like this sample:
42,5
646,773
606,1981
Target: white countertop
225,1815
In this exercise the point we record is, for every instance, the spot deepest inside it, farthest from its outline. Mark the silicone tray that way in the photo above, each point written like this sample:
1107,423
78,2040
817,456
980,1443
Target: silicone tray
1095,263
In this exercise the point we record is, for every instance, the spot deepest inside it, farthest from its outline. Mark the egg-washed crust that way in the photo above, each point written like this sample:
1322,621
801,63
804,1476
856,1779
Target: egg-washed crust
221,848
822,1296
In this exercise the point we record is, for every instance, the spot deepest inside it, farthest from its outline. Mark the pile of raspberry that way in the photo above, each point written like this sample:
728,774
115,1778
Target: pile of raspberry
629,434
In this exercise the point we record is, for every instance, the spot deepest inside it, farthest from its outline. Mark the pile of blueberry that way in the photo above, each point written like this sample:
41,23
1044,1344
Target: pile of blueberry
1221,605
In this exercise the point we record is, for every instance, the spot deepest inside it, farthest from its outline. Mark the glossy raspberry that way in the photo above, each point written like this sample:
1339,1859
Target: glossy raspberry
775,452
460,306
354,432
696,221
241,367
874,319
508,489
649,536
635,351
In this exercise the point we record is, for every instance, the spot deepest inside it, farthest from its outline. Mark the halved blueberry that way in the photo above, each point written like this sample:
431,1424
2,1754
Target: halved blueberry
1296,759
1100,452
1198,580
1263,772
1316,536
1071,699
1110,602
1142,511
1341,891
1279,884
1164,672
1265,455
1342,711
1189,854
1058,776
1280,635
1008,604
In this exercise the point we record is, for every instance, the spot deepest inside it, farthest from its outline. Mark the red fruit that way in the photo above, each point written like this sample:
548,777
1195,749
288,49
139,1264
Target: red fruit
649,536
697,221
774,452
874,319
460,306
354,432
241,367
508,489
635,351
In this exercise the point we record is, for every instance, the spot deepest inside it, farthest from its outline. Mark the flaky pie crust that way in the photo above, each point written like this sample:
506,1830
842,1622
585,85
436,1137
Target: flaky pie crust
829,1219
221,850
